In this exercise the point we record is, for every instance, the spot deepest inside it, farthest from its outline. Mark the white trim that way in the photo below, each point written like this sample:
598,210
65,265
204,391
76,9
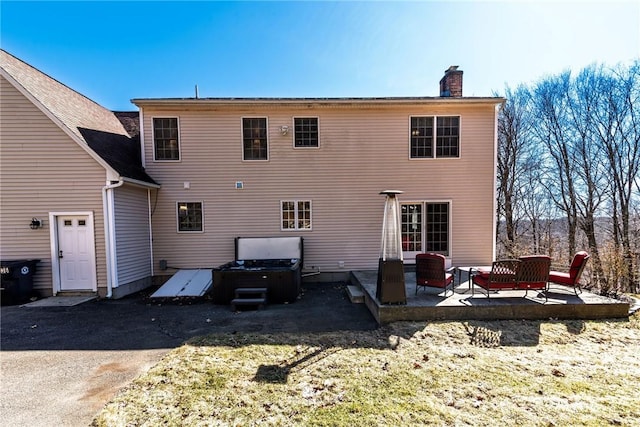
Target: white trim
138,183
150,231
178,217
111,262
266,118
320,102
153,140
495,178
293,133
410,255
295,202
435,137
143,157
53,239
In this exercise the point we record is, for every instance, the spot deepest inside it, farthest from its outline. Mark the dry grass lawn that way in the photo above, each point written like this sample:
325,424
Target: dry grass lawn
508,373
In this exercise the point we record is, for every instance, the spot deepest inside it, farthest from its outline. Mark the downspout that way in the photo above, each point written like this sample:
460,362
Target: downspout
150,231
109,233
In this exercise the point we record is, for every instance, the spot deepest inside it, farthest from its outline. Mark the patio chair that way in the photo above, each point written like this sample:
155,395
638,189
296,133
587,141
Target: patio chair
502,276
533,273
572,278
431,272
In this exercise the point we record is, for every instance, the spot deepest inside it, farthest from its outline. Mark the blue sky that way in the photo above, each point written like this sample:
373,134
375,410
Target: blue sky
115,51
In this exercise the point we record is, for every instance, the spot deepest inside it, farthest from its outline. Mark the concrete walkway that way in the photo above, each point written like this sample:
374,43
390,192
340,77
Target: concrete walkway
61,365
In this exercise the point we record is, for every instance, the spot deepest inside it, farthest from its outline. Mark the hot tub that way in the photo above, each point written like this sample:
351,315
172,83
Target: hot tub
274,263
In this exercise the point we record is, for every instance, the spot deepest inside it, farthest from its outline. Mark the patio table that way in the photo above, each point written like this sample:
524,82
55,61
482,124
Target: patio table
470,269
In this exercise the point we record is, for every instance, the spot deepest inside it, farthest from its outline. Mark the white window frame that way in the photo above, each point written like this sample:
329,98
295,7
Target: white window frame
266,118
153,140
435,137
296,218
178,217
411,255
293,121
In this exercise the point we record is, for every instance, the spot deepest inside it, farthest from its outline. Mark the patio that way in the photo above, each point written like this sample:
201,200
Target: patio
429,304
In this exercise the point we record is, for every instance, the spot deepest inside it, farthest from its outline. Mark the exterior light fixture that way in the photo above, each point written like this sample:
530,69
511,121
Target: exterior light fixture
284,130
35,223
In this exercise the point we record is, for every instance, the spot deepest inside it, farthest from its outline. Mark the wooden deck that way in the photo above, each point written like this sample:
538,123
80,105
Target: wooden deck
430,304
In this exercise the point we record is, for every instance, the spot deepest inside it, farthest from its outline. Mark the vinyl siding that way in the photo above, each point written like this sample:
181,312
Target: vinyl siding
133,250
362,152
42,170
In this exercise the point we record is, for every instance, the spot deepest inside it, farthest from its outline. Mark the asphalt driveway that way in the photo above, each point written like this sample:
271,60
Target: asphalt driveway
61,365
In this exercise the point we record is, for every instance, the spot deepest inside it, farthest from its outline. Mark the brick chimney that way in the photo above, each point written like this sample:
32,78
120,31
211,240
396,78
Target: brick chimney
451,83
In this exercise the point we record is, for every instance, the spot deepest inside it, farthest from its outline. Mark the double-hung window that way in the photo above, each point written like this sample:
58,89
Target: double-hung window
166,139
295,214
190,217
426,228
434,136
254,138
305,132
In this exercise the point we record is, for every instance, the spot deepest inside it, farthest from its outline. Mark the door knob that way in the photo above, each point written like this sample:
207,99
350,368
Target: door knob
60,254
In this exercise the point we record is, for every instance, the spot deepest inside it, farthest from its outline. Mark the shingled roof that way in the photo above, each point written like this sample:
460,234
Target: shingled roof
92,126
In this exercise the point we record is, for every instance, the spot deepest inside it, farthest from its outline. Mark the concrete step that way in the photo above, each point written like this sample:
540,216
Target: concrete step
356,295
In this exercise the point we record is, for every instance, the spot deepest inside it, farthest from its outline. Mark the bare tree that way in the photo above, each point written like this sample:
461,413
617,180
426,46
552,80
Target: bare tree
617,126
550,108
583,99
570,147
513,130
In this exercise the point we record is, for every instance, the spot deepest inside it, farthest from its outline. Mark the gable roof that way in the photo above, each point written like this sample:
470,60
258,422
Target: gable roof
96,129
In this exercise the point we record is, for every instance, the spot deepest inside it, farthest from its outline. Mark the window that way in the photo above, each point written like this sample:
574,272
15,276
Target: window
421,137
445,135
189,216
296,214
254,138
412,227
306,132
425,227
437,228
166,145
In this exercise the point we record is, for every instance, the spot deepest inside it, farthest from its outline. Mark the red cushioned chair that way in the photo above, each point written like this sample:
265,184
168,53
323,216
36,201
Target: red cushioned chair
502,276
431,272
572,278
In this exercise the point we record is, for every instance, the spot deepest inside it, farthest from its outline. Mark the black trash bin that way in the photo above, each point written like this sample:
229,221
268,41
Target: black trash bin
16,280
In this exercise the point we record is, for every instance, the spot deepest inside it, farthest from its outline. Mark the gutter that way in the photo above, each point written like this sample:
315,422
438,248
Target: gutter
317,102
138,183
109,234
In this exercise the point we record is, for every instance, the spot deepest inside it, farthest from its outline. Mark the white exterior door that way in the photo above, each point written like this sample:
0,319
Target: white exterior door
76,255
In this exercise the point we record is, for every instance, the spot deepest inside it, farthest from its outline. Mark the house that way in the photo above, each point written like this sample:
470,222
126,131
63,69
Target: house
73,192
314,167
120,198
